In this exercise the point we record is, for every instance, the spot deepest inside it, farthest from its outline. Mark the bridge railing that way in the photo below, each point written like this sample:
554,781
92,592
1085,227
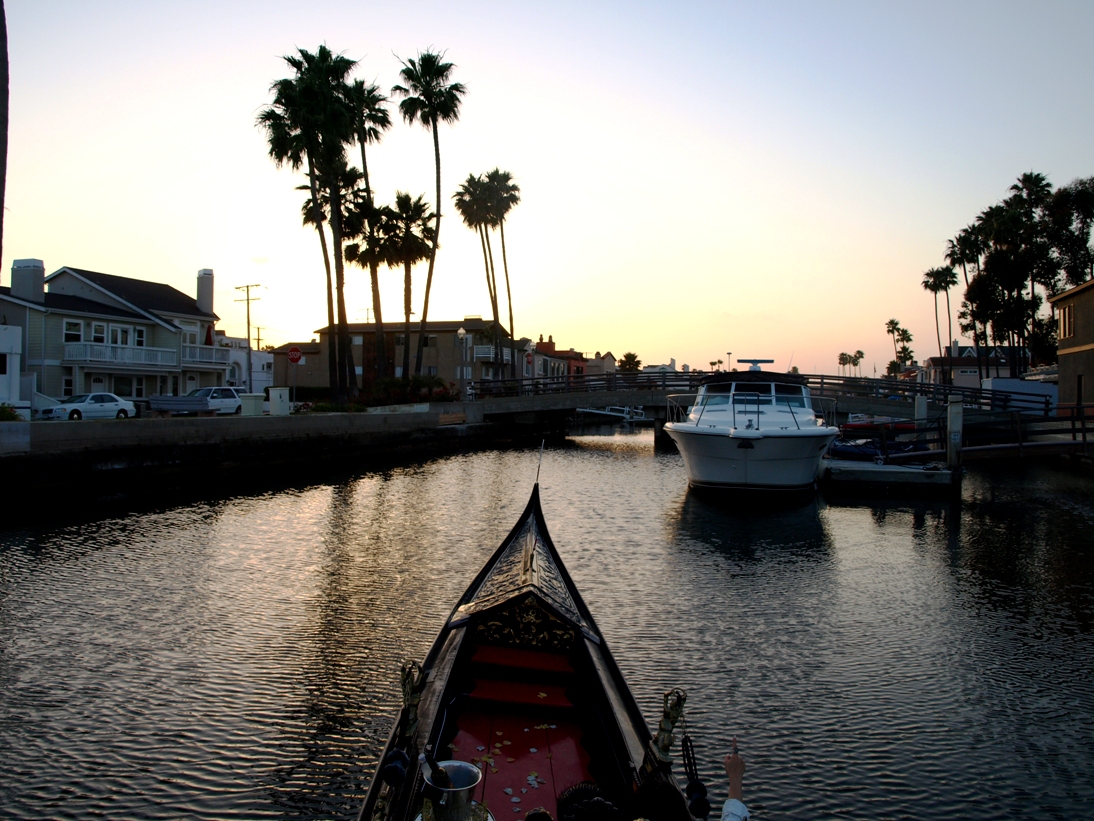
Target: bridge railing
585,383
825,385
820,385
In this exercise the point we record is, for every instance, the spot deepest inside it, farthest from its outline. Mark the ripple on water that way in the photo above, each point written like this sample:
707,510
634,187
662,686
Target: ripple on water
239,658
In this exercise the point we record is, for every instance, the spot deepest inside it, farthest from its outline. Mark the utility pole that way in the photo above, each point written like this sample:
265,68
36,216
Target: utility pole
248,299
258,337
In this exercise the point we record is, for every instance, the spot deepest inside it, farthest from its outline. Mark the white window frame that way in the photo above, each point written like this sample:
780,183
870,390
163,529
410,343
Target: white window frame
118,332
139,337
1066,322
98,333
78,333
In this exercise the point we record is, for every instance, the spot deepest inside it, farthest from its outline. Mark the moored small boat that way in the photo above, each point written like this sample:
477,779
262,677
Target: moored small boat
752,430
520,686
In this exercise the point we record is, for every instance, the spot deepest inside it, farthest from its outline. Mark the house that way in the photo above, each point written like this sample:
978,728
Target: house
669,368
85,331
11,354
960,363
446,354
1075,343
261,364
601,365
552,362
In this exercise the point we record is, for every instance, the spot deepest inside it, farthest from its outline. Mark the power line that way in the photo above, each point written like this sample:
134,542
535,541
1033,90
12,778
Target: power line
249,299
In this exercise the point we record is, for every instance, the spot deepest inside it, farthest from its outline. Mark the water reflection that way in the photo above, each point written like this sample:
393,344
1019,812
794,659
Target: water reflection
239,658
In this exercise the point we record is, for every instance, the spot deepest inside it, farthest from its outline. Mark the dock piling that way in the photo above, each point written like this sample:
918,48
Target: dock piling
955,419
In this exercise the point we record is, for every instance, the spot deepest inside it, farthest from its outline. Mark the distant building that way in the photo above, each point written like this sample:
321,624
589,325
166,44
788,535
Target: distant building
1075,343
261,364
441,354
601,364
85,331
960,362
572,362
669,368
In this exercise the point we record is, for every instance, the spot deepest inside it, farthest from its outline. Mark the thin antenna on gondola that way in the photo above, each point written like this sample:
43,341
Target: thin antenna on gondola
541,446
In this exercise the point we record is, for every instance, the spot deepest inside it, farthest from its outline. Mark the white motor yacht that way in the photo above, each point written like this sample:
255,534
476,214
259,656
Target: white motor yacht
750,430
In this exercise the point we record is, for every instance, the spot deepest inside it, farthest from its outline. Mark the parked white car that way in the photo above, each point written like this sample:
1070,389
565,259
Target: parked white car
91,406
221,400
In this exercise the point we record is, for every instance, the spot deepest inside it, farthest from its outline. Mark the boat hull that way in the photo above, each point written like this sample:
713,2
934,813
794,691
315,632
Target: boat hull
720,458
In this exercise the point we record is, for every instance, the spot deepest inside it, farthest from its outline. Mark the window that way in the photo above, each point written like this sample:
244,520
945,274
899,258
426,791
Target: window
123,385
189,333
98,332
66,386
430,370
3,364
120,335
138,386
430,341
398,371
356,340
97,383
487,371
400,339
138,337
74,331
1066,321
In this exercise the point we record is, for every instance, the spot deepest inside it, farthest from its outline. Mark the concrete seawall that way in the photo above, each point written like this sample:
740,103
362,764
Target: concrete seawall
127,452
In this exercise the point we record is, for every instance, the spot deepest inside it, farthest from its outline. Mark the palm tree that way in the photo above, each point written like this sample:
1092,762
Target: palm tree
844,361
504,196
892,327
473,204
429,98
292,134
408,240
932,281
371,120
630,363
904,336
856,361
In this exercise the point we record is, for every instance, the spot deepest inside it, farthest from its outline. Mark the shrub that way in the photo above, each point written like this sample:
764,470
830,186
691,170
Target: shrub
8,414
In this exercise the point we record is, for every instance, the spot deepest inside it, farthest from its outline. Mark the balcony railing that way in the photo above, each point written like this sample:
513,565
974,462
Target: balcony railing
205,353
485,353
99,352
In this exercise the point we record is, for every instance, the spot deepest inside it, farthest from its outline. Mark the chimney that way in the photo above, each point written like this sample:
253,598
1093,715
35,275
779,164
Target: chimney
28,280
956,349
205,290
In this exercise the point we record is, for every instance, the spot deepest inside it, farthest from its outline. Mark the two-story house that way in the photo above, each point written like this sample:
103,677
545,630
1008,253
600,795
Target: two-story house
1075,344
85,331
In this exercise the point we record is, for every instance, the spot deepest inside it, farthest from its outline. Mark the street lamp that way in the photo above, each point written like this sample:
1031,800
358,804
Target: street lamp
729,360
461,334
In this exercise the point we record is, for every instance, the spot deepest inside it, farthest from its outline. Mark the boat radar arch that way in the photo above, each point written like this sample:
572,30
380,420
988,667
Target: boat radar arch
754,364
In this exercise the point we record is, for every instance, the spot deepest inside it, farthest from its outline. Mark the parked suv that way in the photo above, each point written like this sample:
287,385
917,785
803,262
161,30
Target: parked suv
221,400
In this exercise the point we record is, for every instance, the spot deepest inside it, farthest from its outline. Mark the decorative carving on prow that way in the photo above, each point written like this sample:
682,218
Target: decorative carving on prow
526,624
413,680
670,716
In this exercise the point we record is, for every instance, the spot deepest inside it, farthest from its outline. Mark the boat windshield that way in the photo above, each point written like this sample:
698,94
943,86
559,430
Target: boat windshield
752,393
790,396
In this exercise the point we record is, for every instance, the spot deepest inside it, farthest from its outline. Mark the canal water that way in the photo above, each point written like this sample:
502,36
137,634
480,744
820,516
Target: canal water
238,658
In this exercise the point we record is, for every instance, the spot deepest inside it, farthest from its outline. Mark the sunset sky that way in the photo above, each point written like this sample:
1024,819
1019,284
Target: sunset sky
770,179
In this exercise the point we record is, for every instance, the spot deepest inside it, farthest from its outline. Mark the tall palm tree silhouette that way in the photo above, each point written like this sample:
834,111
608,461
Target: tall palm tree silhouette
371,120
301,125
504,196
429,97
409,240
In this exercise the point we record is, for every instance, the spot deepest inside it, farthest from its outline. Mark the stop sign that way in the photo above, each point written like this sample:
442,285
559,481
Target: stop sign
294,355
